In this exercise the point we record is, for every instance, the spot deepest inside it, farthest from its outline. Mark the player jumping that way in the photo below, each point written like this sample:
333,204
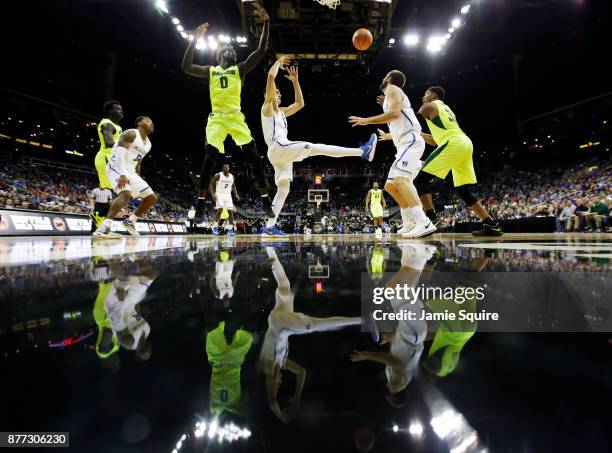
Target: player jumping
123,171
221,188
225,84
282,152
454,152
405,131
376,203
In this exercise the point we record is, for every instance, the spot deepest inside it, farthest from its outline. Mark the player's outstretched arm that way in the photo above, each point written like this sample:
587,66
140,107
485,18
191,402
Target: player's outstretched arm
255,57
298,103
268,107
188,67
393,95
378,357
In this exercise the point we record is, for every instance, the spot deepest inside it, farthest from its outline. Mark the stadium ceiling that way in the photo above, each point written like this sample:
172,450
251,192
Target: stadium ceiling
322,35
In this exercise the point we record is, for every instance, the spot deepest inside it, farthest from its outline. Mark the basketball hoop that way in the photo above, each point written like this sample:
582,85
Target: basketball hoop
329,3
318,196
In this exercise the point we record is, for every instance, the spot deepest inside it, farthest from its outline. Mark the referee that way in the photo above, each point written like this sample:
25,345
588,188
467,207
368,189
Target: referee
99,202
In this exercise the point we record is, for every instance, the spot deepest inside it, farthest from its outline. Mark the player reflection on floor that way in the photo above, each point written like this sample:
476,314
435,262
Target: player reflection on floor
406,343
122,307
223,281
282,323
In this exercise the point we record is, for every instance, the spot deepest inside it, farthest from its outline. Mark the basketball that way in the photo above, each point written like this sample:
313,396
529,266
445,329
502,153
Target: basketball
362,39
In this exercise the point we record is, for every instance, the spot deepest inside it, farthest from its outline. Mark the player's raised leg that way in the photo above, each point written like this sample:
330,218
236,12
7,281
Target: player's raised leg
282,152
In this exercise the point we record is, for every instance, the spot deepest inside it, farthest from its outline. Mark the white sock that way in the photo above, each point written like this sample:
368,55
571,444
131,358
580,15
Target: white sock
133,218
107,223
407,217
282,191
418,214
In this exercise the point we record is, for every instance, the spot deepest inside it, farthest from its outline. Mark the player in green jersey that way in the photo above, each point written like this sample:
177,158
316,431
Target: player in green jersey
375,202
225,85
453,153
108,133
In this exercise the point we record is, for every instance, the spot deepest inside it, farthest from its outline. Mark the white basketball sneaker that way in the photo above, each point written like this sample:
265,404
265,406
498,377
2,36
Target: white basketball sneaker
406,227
130,227
421,230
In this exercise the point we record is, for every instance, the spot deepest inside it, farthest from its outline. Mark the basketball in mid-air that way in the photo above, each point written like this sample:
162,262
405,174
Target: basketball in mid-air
362,39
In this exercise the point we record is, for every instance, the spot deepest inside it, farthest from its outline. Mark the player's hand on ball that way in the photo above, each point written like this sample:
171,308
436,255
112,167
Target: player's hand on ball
292,73
380,100
200,31
123,180
358,356
358,121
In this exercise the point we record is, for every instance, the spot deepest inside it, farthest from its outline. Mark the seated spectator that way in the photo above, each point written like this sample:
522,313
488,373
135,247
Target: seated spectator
597,215
576,222
565,217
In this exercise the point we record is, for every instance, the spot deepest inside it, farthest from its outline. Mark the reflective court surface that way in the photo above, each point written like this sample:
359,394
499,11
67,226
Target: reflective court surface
201,343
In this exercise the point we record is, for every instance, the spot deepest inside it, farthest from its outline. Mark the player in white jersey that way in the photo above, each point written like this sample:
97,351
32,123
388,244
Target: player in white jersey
282,152
406,343
122,308
282,323
221,187
224,280
405,131
123,171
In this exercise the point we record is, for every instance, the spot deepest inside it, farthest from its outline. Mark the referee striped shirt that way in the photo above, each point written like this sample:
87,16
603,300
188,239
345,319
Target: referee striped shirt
100,195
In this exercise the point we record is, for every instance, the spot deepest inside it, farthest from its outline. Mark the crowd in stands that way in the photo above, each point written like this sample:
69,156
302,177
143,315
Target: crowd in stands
48,188
577,195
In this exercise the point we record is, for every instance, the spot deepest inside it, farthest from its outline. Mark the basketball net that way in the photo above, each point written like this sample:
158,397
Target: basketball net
329,3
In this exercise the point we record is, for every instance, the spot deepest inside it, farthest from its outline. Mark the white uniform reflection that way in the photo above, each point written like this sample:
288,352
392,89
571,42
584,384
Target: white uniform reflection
121,305
282,323
406,343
